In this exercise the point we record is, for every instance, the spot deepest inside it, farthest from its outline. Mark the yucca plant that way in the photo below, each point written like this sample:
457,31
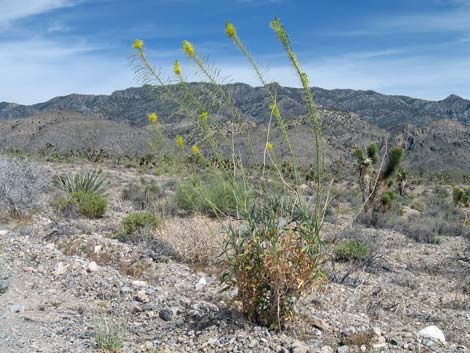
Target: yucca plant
92,182
275,252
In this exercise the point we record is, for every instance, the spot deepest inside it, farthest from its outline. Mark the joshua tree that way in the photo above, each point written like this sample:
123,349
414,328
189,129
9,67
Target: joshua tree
374,183
402,179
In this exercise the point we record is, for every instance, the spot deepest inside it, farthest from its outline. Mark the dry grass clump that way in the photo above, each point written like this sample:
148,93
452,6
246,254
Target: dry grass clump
194,240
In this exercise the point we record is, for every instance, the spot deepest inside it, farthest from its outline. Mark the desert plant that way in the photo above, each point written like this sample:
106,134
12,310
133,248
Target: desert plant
375,182
144,194
90,182
351,249
274,250
109,336
22,185
89,205
138,220
214,196
461,197
273,260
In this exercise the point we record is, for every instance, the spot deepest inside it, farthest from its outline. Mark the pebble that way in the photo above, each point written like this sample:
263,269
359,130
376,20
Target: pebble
60,269
92,267
17,308
166,314
142,296
433,332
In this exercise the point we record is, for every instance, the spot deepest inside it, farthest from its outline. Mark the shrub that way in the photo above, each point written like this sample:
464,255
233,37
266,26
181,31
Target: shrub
273,251
138,220
90,182
461,197
274,258
143,195
89,205
211,197
21,185
109,336
351,249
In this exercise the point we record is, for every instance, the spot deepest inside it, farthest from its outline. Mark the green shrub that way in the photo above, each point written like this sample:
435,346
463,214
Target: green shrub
138,220
211,197
351,249
418,206
90,182
109,336
90,205
275,257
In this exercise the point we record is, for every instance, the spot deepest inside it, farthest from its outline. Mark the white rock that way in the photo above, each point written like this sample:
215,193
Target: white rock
98,249
201,283
139,284
92,267
433,332
3,232
60,269
50,246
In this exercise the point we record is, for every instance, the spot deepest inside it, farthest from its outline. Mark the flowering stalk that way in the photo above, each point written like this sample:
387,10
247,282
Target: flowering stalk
231,32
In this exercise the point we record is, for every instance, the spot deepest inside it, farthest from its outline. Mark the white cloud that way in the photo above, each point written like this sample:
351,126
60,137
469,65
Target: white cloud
36,70
12,10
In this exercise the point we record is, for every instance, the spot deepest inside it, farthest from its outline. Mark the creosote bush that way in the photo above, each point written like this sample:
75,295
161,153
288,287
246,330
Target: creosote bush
138,220
84,203
273,247
351,249
210,197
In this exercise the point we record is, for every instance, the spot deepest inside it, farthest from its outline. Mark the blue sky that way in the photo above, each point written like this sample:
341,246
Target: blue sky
419,48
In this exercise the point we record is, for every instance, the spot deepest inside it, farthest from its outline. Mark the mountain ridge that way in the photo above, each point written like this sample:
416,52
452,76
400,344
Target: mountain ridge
132,104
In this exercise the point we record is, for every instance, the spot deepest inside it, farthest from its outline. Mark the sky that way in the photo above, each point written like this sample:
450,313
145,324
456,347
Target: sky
418,48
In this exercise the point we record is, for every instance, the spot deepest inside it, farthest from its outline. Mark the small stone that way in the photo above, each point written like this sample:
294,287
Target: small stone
433,332
342,349
60,269
377,331
326,349
92,267
148,345
3,286
50,246
139,284
125,290
299,347
201,283
166,314
142,296
17,308
98,249
212,341
3,232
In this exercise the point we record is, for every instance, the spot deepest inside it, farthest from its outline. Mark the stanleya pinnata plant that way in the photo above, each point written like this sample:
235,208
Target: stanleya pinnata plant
275,249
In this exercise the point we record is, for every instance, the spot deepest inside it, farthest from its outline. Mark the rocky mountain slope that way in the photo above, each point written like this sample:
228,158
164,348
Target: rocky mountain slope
132,104
436,133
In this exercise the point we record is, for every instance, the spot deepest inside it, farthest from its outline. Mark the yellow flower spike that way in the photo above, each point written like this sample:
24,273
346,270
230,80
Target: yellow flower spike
195,150
204,117
138,44
230,30
188,49
153,118
269,146
177,68
275,109
179,141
